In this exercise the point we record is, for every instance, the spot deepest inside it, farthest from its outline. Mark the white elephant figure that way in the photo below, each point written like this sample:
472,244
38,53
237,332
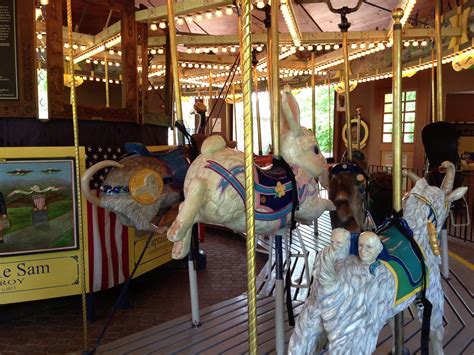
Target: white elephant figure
214,185
351,300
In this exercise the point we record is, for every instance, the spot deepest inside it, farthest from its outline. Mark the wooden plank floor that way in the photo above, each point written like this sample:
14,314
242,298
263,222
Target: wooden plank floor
224,325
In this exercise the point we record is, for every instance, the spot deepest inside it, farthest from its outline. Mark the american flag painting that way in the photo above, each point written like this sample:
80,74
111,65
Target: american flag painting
107,237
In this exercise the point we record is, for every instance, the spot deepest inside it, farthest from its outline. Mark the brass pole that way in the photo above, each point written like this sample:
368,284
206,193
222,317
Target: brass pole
439,63
106,72
329,114
174,66
433,87
358,131
78,175
275,82
257,108
397,14
313,95
227,122
269,80
209,127
246,66
234,112
345,50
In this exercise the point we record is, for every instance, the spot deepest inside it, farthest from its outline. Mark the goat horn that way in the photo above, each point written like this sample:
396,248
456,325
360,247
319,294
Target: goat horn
410,174
448,181
89,173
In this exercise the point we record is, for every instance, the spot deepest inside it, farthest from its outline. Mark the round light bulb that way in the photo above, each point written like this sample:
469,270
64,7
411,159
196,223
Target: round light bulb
319,47
229,10
260,4
162,25
208,15
160,51
189,50
218,13
362,45
354,45
224,49
180,21
153,27
153,51
327,47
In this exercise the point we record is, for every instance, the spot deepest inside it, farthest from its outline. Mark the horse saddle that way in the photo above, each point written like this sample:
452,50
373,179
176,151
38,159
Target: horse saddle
273,187
400,258
174,159
347,168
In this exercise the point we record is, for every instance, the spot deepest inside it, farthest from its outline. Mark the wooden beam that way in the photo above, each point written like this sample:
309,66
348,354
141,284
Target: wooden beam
181,9
307,37
129,60
55,62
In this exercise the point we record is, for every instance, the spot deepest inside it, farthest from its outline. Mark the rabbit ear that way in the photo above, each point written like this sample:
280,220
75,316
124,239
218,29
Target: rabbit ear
290,113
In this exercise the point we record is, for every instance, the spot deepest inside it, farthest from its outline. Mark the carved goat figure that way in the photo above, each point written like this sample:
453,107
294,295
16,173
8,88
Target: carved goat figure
351,300
214,185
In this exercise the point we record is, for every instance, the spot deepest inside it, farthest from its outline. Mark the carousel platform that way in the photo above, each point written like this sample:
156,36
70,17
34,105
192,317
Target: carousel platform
223,328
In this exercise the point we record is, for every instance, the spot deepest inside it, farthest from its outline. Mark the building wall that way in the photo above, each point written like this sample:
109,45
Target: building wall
458,107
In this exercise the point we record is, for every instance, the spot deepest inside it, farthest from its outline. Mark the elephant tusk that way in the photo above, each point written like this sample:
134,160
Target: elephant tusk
89,173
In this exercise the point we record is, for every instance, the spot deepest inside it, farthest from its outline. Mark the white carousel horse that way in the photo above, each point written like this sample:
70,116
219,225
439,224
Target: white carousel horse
352,299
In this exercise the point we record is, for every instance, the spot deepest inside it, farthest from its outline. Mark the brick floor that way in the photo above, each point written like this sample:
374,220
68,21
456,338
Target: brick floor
55,326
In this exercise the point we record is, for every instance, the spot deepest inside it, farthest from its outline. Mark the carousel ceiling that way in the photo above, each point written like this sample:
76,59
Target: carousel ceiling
207,36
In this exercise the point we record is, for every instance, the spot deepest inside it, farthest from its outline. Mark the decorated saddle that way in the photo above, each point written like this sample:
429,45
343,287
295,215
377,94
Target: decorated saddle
174,159
274,195
400,256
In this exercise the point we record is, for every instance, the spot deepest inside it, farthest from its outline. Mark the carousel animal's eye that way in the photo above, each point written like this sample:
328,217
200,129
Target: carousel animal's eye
316,150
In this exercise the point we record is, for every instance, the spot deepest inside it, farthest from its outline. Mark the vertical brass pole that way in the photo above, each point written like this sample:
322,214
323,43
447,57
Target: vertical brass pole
78,175
397,14
106,72
246,65
439,64
209,127
275,80
174,66
269,80
227,122
234,112
433,87
358,130
257,109
313,95
331,138
345,50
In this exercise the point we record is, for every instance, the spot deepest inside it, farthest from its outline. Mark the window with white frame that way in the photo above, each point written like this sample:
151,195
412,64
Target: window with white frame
408,117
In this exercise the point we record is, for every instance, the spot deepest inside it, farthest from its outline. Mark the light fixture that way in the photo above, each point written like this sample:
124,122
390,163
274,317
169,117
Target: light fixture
189,50
290,20
260,4
424,43
83,47
39,35
153,27
229,11
353,45
319,47
199,17
327,47
153,51
218,13
160,51
162,25
44,2
336,46
208,15
180,21
189,18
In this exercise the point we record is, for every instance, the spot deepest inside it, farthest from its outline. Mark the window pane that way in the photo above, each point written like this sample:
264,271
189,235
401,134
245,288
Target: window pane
388,108
388,98
409,127
387,128
408,138
387,138
410,106
411,95
387,118
409,117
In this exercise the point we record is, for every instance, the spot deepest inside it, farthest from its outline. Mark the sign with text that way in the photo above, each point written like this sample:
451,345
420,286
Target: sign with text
58,275
8,64
157,253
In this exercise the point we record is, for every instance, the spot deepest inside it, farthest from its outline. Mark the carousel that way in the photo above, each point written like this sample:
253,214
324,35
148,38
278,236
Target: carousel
331,137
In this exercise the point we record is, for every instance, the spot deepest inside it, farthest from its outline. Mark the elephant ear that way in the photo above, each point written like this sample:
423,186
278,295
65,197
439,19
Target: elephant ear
290,113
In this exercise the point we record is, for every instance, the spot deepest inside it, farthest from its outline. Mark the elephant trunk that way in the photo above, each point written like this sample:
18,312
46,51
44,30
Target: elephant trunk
89,173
